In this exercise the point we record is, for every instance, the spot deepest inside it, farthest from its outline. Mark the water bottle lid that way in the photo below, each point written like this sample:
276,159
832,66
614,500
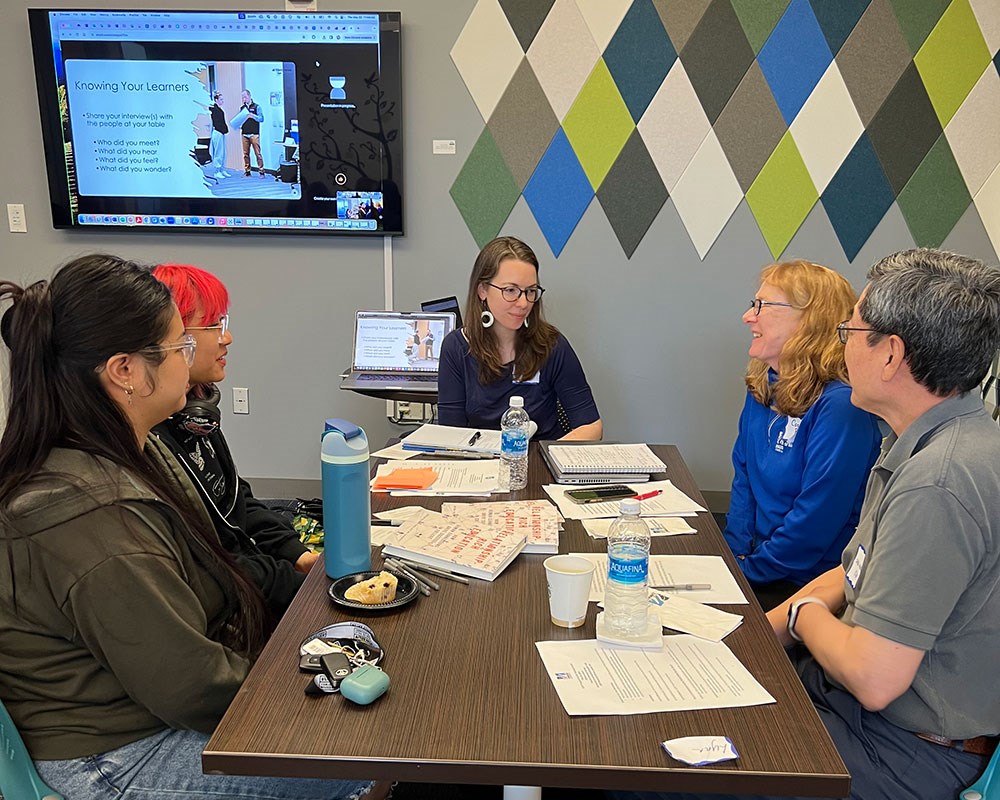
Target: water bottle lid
517,401
629,506
348,429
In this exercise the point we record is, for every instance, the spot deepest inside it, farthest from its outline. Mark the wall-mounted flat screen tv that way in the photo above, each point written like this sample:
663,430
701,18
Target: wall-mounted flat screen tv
235,121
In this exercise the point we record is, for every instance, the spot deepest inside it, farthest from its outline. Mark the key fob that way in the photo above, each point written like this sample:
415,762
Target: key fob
320,684
336,667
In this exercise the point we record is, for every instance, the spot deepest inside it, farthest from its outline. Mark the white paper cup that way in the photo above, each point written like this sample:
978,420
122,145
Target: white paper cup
568,578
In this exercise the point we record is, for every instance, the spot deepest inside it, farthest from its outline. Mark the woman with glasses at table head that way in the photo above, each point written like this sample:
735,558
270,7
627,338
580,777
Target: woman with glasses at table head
507,348
265,544
125,627
803,452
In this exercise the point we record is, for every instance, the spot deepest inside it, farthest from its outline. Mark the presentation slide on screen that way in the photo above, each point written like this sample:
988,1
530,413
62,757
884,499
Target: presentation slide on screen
398,343
151,128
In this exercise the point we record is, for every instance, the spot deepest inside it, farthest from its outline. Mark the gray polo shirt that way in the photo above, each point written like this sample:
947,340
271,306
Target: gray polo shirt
923,568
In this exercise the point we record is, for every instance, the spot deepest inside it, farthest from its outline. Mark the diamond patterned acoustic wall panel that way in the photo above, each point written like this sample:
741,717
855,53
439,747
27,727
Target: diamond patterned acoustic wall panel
837,19
523,124
856,104
935,198
638,79
952,59
632,194
558,193
795,58
758,18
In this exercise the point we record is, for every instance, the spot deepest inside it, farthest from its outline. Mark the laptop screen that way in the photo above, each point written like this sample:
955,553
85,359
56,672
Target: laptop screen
398,341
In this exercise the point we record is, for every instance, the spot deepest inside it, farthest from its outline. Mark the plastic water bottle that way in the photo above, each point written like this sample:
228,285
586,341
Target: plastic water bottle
626,597
347,506
514,446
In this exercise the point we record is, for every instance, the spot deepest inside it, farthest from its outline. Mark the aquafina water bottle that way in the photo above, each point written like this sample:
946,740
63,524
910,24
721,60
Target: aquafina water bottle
626,596
514,446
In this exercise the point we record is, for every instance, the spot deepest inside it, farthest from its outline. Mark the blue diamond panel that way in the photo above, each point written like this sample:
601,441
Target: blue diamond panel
638,78
837,18
558,192
794,58
857,197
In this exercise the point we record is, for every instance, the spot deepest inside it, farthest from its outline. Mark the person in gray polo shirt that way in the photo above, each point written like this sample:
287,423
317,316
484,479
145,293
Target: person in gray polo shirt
899,645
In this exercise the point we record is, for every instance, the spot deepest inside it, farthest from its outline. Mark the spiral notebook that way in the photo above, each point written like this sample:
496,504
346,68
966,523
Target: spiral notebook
589,463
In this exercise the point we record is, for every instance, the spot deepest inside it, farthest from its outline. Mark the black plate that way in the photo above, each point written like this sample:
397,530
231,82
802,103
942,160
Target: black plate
406,591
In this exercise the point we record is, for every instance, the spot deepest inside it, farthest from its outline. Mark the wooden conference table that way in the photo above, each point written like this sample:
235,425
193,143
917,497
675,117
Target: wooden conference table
470,701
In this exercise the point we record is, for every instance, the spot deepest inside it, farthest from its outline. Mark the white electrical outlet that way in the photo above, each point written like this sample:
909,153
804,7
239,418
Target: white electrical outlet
15,218
241,400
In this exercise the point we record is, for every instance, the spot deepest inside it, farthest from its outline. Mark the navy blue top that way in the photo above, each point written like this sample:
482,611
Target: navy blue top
465,402
798,485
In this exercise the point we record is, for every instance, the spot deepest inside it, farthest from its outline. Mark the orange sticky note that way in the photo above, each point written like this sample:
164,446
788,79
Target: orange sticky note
407,479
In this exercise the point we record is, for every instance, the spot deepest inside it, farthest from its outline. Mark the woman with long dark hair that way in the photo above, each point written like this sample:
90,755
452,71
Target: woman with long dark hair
125,627
507,348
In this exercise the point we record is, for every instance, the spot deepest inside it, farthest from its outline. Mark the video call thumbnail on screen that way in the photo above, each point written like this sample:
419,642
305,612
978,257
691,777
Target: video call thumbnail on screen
221,120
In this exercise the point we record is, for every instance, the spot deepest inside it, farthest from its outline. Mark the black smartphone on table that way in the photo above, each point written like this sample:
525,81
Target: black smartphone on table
598,494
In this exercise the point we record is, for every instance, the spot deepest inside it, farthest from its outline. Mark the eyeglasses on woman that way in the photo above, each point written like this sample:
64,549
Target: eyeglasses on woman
513,293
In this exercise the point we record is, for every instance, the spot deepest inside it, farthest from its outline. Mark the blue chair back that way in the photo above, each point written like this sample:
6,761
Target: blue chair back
988,785
18,777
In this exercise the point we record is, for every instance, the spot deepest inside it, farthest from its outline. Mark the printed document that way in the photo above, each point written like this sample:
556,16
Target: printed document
453,477
593,678
674,570
658,526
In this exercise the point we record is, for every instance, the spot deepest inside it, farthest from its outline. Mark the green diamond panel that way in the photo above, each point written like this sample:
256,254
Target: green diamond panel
935,198
917,18
952,59
484,191
758,18
782,196
598,124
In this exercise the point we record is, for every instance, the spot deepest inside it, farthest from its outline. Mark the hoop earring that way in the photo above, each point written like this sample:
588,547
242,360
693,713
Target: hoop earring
526,322
487,318
129,391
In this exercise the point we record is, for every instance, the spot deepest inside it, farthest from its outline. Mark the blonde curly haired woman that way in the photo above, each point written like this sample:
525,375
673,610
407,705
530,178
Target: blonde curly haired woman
803,452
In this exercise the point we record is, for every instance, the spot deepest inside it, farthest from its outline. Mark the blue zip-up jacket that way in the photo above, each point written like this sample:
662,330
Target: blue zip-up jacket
798,485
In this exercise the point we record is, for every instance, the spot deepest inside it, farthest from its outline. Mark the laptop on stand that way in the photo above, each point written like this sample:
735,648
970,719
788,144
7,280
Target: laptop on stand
397,350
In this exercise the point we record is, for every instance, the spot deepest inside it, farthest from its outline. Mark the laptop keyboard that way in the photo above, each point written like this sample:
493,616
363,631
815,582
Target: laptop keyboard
394,379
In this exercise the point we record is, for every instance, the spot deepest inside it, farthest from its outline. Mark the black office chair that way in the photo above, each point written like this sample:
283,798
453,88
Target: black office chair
562,419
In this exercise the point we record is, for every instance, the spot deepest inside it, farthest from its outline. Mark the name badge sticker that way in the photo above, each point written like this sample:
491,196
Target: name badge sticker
854,573
533,379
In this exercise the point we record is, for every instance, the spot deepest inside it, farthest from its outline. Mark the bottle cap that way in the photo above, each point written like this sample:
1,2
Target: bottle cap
629,506
517,402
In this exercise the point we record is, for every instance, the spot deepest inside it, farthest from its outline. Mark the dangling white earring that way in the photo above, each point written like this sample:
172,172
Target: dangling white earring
525,322
487,318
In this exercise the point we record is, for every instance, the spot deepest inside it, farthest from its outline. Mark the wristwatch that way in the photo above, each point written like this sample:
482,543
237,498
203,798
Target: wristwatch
793,614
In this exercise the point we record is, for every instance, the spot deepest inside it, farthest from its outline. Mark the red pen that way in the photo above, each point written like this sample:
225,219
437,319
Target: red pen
648,495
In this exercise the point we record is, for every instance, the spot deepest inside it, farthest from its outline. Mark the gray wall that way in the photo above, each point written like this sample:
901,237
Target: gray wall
659,335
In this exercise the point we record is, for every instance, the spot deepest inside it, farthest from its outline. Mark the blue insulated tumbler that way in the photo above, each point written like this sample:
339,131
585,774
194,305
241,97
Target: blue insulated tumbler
347,506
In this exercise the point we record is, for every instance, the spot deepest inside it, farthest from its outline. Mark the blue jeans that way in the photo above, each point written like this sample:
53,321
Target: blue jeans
885,761
168,765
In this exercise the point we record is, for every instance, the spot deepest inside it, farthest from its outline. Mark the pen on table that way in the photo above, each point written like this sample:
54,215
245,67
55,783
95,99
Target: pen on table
682,587
441,573
420,576
646,496
475,437
388,522
465,455
425,588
